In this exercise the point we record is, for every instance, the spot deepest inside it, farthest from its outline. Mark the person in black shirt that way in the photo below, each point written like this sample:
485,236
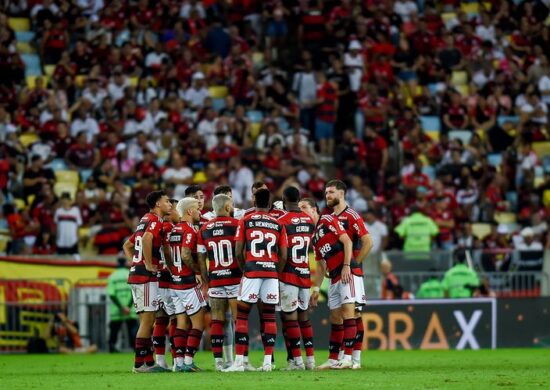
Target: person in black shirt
35,176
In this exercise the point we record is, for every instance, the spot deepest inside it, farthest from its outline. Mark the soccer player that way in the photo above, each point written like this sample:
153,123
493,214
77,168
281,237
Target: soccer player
186,282
260,248
295,281
333,251
195,191
354,225
166,306
216,241
273,211
147,243
225,190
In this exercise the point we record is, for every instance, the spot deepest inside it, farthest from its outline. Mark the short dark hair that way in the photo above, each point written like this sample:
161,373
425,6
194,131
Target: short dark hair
312,203
192,190
153,197
258,184
263,197
223,189
291,194
339,184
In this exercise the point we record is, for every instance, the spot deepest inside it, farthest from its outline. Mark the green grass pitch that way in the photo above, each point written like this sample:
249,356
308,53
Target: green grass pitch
511,368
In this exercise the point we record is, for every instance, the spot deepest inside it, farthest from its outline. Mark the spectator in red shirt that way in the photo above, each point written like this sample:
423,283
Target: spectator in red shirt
416,178
376,158
82,154
326,113
455,116
442,215
223,151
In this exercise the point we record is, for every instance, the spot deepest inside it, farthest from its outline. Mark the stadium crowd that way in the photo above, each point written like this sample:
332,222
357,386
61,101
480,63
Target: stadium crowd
432,108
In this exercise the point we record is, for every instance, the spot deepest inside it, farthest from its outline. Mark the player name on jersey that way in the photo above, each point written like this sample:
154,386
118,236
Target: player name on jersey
217,239
299,229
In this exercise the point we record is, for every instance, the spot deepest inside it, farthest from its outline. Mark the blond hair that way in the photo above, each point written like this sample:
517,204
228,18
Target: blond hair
218,202
185,204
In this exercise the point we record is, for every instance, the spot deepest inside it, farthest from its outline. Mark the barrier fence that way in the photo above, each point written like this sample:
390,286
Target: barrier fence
519,284
28,307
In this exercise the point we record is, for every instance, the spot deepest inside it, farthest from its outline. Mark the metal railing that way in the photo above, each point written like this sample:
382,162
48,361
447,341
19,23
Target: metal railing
504,284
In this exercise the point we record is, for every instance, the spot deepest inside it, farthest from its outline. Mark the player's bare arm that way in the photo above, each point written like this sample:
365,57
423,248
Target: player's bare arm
366,246
202,266
187,258
168,257
317,282
348,251
239,253
147,241
283,254
128,249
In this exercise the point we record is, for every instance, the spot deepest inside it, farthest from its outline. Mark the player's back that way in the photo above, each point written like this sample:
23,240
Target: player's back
217,239
183,235
299,229
149,223
262,235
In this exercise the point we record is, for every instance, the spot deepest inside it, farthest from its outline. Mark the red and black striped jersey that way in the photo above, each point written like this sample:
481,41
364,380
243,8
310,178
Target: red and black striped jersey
217,239
151,223
262,235
354,225
183,235
164,274
299,229
328,246
275,213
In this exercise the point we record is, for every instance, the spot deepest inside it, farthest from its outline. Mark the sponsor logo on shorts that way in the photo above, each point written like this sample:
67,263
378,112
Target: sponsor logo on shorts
189,307
254,296
271,296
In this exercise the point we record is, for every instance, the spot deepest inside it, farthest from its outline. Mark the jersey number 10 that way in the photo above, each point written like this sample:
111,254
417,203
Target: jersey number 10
222,253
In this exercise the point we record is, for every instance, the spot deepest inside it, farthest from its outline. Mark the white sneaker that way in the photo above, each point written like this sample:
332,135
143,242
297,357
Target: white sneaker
249,367
343,365
356,365
310,365
164,365
265,368
220,367
235,368
328,365
292,366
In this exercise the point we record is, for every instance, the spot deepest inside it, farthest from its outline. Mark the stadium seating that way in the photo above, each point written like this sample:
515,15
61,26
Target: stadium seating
28,139
218,92
32,64
24,36
459,77
218,104
495,159
464,135
542,149
67,176
19,24
430,123
24,47
255,116
481,230
31,80
58,164
61,187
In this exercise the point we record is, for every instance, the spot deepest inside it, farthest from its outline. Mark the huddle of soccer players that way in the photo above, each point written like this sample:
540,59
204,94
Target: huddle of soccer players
184,258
